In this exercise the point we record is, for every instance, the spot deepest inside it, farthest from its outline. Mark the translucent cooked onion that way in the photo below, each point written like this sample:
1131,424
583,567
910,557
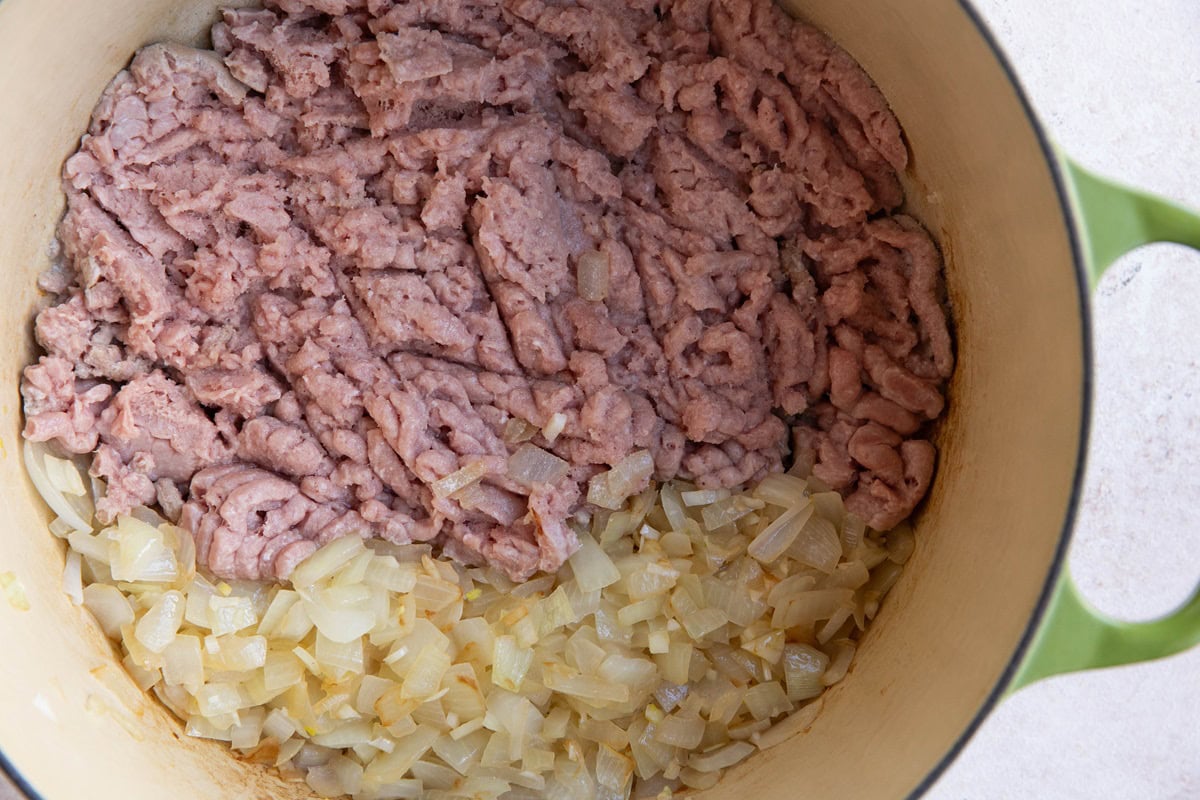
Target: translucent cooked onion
728,511
592,277
64,476
34,456
531,466
459,479
779,535
817,544
782,490
554,426
158,626
721,758
900,543
72,579
109,606
592,567
517,430
626,478
688,624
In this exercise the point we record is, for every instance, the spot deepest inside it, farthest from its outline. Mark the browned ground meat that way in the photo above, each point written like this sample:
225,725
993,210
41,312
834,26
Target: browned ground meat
312,272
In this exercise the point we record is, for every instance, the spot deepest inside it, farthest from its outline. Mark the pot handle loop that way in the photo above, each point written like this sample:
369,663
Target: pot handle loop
1074,636
1116,219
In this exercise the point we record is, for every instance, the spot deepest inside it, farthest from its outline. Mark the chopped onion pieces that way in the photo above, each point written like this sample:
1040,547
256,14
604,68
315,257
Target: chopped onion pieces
591,270
531,466
689,622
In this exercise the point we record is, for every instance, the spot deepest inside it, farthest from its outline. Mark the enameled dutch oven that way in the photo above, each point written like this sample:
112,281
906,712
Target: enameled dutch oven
984,606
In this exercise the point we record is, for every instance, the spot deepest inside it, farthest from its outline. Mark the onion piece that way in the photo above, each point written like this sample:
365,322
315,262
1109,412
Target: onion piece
703,497
158,626
767,700
721,758
852,533
900,543
627,477
592,567
613,769
531,466
839,661
326,561
510,663
517,430
782,490
460,479
829,505
726,512
592,275
183,663
817,545
589,688
109,606
554,427
72,577
64,476
425,675
680,731
35,467
779,535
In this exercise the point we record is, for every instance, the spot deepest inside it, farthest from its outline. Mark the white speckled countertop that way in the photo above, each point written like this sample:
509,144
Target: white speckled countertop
1117,83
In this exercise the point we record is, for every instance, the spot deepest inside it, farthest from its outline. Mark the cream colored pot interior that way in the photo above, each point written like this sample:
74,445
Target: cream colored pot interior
74,725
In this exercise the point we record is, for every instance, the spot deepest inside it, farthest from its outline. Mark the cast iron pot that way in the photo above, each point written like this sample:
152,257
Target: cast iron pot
984,606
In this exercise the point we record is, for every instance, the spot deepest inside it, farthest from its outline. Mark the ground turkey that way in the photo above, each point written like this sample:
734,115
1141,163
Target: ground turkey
311,272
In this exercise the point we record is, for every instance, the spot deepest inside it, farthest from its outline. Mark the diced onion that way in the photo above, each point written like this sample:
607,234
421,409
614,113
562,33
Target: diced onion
817,545
613,769
779,489
554,427
326,561
728,511
592,276
626,478
839,662
158,626
680,731
510,663
109,606
690,620
721,758
779,535
72,578
900,543
35,467
592,567
531,466
767,700
459,479
183,663
517,430
64,476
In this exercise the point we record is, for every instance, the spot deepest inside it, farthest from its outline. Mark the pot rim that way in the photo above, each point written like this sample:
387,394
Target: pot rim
1072,221
1072,217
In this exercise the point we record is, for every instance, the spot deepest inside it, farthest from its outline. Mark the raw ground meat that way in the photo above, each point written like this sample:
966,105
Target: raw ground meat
310,273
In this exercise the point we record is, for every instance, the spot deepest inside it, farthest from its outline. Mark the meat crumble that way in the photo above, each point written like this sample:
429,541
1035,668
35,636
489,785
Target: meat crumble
313,271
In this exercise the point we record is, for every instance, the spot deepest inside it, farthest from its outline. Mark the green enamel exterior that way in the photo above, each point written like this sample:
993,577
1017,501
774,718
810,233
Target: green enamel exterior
1112,220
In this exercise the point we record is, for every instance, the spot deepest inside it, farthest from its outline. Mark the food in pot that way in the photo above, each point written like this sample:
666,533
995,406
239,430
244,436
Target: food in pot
691,629
487,276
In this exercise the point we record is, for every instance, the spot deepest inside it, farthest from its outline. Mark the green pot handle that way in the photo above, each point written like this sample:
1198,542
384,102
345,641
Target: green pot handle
1073,636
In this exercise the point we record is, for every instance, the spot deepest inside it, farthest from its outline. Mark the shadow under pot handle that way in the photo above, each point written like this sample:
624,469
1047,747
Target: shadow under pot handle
1113,220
